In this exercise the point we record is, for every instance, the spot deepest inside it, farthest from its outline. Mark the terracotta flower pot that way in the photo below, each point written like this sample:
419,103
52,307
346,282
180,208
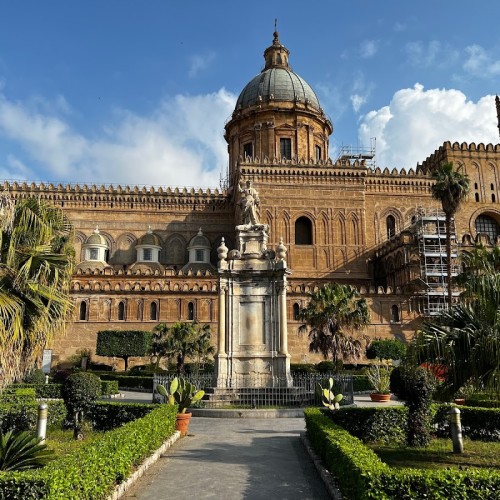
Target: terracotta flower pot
182,423
380,398
459,401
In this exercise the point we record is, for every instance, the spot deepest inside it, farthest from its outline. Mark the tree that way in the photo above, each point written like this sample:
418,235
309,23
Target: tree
184,340
450,188
333,310
386,349
123,344
36,265
466,338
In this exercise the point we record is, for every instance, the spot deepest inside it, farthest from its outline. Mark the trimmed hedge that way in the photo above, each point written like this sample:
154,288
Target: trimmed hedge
129,382
53,391
93,470
106,416
362,475
389,424
360,383
372,423
23,417
18,395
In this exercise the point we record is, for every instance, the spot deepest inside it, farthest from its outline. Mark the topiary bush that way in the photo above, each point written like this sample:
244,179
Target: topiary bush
419,384
386,349
124,343
326,367
80,391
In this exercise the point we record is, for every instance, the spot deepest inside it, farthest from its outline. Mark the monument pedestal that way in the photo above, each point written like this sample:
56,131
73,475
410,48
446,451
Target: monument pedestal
252,348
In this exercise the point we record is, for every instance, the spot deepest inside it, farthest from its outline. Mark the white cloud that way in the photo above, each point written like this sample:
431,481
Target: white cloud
199,63
180,144
368,48
418,121
431,54
480,63
357,101
361,91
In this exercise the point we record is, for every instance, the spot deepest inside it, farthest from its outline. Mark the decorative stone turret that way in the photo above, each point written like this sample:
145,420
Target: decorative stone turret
95,251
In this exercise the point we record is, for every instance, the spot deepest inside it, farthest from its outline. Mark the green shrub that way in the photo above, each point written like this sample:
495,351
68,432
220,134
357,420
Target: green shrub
23,417
21,395
107,416
93,470
45,391
80,391
362,475
386,349
361,383
397,385
303,368
373,424
109,387
128,382
326,367
419,384
36,377
123,343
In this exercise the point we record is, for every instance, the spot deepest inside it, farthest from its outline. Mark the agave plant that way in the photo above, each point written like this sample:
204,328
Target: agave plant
22,451
181,393
328,398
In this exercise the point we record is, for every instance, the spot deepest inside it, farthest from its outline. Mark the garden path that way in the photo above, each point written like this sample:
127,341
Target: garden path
247,458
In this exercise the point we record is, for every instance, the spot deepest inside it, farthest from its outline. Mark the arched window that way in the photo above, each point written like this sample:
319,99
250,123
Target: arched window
296,311
121,311
153,311
476,196
391,226
395,314
303,231
487,225
190,311
83,311
492,186
493,198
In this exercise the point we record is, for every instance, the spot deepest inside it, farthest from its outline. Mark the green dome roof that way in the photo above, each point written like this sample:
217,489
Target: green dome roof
277,81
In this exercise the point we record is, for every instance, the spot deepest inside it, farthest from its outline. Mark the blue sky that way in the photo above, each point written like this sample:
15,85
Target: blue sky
122,91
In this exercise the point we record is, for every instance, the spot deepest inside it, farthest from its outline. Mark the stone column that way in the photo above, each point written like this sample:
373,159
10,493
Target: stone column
221,347
283,321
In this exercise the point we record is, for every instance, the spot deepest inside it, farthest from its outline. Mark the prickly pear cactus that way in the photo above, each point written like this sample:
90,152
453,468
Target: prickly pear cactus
181,393
328,398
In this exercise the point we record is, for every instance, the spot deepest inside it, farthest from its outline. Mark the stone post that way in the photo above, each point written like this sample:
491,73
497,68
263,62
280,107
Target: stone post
41,426
456,431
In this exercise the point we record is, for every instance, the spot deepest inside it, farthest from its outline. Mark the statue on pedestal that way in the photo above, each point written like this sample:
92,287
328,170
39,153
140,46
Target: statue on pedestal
249,204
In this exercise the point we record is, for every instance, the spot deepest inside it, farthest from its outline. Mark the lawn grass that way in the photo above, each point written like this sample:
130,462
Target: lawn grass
439,455
62,441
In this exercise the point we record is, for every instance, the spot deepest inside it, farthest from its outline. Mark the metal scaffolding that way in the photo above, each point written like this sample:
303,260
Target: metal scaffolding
430,233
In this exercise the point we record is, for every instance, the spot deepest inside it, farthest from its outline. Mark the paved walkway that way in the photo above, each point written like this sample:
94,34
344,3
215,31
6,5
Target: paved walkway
234,459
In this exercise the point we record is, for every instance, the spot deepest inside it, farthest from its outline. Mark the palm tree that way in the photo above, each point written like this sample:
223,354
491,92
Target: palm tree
331,311
450,188
466,337
36,264
183,340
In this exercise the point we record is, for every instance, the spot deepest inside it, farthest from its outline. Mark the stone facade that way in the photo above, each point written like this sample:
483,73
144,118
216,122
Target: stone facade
338,219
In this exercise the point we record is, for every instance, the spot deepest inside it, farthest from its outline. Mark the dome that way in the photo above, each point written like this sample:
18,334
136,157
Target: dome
277,81
96,238
149,239
199,241
277,84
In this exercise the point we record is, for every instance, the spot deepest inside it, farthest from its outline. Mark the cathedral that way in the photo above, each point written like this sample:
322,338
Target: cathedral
149,255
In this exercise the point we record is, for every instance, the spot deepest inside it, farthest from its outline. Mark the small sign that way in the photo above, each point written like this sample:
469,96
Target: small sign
46,360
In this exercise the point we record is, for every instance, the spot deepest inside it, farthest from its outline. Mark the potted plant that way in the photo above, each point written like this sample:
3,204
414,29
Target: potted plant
183,394
379,377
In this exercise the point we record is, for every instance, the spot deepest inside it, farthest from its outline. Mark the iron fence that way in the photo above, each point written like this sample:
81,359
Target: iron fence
299,390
